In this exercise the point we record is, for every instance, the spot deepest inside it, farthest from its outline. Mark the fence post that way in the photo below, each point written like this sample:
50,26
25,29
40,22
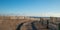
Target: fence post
47,24
59,26
41,20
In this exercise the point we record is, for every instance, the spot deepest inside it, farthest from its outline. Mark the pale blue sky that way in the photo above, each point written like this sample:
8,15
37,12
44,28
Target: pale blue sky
30,7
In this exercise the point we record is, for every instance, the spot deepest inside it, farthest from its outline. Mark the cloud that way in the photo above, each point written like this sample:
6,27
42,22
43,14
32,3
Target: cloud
54,14
45,14
37,14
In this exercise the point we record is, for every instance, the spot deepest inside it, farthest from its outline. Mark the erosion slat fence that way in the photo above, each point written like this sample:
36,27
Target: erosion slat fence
50,25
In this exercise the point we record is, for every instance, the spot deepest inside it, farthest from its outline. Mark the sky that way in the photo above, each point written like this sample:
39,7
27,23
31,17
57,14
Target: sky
30,7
